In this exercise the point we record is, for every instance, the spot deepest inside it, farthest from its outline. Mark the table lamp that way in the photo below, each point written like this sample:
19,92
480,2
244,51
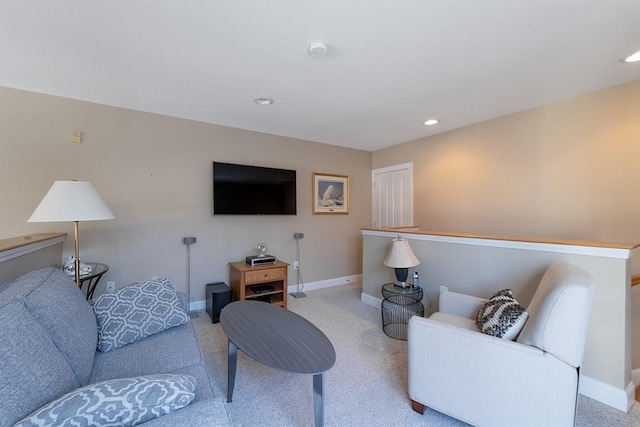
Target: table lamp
72,201
400,258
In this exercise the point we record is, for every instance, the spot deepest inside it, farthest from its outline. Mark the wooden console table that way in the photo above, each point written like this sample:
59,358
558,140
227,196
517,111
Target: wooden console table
246,280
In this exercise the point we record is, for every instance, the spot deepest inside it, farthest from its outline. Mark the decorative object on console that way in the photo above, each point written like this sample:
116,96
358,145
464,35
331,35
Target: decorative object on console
70,267
72,201
400,258
502,316
330,194
261,249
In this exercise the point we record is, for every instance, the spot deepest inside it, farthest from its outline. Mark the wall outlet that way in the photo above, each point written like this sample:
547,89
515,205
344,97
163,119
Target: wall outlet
155,277
298,235
296,265
111,287
444,289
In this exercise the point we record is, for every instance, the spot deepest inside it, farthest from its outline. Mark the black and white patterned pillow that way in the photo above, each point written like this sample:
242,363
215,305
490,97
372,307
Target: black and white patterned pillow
502,316
121,402
135,312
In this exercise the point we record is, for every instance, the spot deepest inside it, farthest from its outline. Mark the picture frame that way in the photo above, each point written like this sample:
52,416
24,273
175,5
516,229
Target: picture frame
330,194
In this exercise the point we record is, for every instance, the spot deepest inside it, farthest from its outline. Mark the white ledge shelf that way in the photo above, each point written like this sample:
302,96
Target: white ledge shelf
576,247
18,246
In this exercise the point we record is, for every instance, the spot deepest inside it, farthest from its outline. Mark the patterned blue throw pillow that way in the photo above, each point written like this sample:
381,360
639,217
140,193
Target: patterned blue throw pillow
121,402
135,312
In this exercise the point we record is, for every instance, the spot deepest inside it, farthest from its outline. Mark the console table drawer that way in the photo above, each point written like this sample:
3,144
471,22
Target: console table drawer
263,275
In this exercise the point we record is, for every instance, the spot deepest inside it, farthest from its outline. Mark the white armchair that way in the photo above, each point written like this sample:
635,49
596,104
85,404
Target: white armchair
488,381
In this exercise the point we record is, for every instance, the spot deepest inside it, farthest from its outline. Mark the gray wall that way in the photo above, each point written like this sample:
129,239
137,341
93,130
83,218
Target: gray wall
155,173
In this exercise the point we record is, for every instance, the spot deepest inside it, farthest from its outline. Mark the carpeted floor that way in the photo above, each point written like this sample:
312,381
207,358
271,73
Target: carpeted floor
366,387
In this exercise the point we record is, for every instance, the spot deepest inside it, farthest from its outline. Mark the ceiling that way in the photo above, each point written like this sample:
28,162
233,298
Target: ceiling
390,65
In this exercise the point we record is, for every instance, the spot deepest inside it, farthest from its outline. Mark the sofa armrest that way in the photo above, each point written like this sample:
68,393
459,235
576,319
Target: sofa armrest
470,376
460,304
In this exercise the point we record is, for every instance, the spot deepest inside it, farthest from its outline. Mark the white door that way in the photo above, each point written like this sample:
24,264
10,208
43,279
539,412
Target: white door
393,196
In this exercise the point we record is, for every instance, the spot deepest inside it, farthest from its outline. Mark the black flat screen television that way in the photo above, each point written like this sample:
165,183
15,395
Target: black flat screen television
253,190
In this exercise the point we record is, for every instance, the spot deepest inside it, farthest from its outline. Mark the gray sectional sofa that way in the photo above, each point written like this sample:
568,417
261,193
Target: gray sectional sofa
48,338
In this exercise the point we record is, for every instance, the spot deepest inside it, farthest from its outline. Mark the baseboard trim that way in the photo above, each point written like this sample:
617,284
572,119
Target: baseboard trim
291,289
611,396
369,300
197,305
321,284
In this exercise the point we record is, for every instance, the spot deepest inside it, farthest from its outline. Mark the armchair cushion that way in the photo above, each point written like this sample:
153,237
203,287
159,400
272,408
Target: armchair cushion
502,316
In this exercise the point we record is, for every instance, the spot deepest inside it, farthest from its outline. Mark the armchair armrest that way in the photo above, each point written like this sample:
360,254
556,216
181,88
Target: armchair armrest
460,304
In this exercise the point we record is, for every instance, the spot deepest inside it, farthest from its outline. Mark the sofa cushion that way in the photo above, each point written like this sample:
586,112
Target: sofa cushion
57,303
136,312
32,370
502,316
166,352
122,402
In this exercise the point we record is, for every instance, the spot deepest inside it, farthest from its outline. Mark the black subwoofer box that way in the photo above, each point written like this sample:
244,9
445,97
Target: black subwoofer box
218,295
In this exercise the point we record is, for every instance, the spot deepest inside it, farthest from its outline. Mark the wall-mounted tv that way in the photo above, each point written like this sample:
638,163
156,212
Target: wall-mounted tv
253,190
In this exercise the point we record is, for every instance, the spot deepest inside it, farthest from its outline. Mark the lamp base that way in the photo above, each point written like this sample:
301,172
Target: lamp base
403,285
401,274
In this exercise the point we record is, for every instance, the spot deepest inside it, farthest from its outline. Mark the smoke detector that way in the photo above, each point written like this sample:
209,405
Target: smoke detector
318,49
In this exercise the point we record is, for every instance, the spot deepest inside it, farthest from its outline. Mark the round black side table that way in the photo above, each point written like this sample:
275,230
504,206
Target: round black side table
398,305
93,278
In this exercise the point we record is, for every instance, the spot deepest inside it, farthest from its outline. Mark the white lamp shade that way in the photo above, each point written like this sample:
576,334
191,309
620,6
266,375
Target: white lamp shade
401,255
71,201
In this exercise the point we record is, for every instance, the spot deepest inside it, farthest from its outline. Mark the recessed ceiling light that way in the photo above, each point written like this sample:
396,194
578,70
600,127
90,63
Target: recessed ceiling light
431,122
634,57
263,101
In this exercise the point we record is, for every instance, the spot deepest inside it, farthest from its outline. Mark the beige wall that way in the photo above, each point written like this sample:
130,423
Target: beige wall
155,173
568,170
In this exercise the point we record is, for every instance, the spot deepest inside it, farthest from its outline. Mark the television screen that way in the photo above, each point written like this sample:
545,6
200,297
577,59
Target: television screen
253,190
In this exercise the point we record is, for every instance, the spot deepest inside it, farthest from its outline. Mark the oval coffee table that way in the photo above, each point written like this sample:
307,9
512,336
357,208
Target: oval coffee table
279,339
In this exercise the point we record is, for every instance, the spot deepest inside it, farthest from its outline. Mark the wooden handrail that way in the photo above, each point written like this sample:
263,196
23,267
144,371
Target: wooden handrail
635,280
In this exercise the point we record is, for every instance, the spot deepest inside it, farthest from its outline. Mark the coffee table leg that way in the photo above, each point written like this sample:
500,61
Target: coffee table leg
232,361
318,400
